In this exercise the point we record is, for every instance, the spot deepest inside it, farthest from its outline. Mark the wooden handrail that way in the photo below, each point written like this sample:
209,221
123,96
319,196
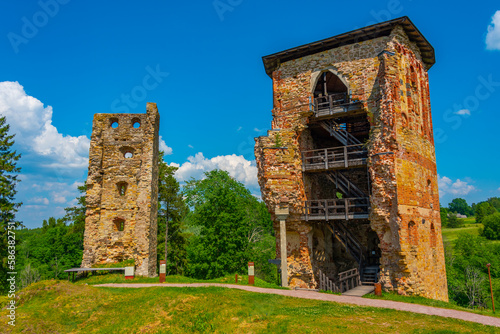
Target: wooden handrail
344,207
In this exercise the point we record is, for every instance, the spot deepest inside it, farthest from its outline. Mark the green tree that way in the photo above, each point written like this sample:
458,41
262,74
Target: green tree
495,202
444,216
172,240
8,205
483,209
75,215
466,269
453,221
459,205
492,226
231,221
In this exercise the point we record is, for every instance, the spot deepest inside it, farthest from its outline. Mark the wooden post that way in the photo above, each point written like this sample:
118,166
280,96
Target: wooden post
346,163
491,288
326,159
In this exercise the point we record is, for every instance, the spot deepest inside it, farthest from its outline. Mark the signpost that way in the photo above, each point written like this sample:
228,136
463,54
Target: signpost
163,270
129,272
251,273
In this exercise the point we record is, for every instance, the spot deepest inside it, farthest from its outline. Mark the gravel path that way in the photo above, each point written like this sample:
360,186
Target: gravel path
415,308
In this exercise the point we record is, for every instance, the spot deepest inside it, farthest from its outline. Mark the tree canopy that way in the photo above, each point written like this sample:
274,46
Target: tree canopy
8,205
459,205
230,221
171,213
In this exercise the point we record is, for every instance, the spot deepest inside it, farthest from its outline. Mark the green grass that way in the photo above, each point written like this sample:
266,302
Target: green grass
120,278
63,307
451,234
430,302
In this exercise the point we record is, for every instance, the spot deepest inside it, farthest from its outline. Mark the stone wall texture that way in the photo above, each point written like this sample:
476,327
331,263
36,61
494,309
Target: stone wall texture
387,76
122,190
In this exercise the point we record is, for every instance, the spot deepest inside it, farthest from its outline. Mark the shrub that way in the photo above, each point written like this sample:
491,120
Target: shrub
492,226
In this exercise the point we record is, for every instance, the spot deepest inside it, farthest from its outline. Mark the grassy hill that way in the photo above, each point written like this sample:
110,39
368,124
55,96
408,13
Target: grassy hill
63,307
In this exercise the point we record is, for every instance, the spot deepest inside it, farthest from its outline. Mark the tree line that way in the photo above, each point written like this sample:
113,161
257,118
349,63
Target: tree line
485,212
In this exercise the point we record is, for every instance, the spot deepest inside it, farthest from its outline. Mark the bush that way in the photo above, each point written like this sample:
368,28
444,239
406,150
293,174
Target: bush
454,222
492,226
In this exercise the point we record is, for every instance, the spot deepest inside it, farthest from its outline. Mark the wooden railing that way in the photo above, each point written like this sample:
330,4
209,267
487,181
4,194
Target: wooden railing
347,280
326,284
330,101
332,209
334,157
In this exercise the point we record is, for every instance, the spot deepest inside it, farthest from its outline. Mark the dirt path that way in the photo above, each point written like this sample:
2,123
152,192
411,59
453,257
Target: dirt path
467,316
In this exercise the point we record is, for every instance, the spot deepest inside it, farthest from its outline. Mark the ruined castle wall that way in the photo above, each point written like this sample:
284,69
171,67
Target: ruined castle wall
122,187
378,74
416,175
280,171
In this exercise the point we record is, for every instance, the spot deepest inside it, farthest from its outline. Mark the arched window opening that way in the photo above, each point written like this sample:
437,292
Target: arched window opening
128,152
412,233
136,123
113,122
119,224
329,91
433,236
122,188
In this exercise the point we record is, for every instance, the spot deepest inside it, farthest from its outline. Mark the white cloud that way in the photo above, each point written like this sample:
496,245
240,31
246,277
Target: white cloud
32,124
237,166
39,200
463,112
258,130
59,199
457,188
190,146
498,189
45,197
493,35
239,128
163,147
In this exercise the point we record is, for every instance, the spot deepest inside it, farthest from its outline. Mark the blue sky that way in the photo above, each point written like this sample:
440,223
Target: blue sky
63,61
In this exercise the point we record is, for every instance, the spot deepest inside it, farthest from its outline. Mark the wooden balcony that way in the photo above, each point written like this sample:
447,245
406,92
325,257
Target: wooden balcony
336,209
334,158
334,105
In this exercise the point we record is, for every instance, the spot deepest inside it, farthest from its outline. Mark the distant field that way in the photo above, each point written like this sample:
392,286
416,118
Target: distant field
451,234
62,307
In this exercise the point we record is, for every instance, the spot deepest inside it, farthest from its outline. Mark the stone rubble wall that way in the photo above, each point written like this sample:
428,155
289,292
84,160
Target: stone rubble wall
108,168
387,76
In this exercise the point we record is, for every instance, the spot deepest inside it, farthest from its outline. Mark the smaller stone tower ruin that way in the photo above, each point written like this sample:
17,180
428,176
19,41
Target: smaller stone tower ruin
122,190
351,154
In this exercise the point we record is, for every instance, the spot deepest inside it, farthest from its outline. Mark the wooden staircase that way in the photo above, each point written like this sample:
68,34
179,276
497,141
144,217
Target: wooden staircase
343,184
339,132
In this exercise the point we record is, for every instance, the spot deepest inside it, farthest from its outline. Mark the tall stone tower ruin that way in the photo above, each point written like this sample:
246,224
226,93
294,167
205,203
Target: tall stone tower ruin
122,190
351,152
